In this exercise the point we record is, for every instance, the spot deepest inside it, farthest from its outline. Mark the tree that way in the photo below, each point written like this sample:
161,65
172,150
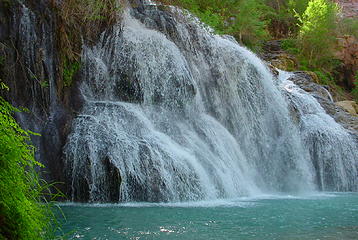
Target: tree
249,25
282,16
243,19
317,32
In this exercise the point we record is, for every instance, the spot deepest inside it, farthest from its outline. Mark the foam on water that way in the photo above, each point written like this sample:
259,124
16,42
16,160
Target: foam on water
242,202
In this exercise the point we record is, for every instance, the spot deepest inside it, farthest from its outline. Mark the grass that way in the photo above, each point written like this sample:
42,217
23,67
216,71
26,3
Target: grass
81,21
69,70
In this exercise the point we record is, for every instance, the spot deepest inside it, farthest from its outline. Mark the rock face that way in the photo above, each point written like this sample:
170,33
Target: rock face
350,106
308,82
164,110
29,67
274,54
347,52
349,7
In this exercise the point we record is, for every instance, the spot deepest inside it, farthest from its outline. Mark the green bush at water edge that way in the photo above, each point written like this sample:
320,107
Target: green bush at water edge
23,215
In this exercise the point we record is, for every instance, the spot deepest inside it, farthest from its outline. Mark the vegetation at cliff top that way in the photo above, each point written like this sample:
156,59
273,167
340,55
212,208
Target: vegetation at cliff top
316,37
245,20
22,213
310,30
311,27
79,21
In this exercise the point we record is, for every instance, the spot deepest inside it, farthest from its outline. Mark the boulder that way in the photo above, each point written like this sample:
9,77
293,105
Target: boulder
350,106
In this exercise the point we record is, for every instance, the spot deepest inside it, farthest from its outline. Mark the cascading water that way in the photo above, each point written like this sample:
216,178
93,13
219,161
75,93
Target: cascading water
173,112
332,149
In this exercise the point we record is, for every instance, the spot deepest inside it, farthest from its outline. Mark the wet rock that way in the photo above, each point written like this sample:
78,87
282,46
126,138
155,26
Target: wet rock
273,69
54,135
306,81
28,44
113,181
129,89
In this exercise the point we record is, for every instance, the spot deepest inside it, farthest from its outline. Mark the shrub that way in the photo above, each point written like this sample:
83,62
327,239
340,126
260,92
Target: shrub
297,7
22,215
290,45
69,70
249,25
355,90
243,19
80,21
348,26
317,32
83,19
282,16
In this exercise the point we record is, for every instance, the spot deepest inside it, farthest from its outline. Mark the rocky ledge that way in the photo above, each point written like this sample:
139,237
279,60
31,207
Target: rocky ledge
277,57
343,112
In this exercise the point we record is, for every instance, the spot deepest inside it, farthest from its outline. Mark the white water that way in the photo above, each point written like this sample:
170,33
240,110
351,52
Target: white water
243,202
187,115
333,151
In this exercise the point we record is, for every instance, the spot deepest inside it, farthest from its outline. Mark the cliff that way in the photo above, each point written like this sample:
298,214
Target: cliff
152,106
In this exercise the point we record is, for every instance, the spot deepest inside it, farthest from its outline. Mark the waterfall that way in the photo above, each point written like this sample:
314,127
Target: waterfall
174,112
333,151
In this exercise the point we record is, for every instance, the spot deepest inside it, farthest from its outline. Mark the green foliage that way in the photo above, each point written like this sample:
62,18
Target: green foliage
44,84
22,214
355,90
79,21
317,32
348,26
290,45
316,45
325,78
69,70
249,25
6,3
3,86
243,19
297,7
282,16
